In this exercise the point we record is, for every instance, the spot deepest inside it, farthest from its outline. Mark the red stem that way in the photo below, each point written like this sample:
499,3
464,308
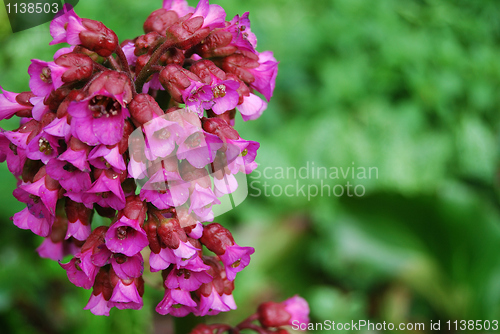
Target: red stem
147,70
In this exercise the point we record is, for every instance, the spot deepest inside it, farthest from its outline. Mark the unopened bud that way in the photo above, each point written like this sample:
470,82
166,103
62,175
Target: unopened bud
187,32
79,66
146,42
143,109
99,38
175,79
171,233
160,20
216,45
206,70
239,64
216,238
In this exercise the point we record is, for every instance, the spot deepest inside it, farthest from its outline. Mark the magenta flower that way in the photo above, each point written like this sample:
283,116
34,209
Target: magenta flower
127,267
161,136
252,107
99,118
126,293
103,157
40,225
265,74
126,236
214,16
79,219
243,37
105,191
98,304
56,250
179,6
211,303
9,105
40,195
202,200
59,127
70,177
76,155
181,257
165,189
77,276
226,185
43,147
298,309
186,280
241,155
176,302
59,24
235,259
41,78
198,97
199,148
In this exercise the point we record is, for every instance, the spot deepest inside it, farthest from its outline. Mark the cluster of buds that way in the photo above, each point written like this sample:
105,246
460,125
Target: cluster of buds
92,130
272,318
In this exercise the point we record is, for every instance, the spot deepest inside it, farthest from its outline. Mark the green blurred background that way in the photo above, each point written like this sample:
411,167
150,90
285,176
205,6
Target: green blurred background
407,86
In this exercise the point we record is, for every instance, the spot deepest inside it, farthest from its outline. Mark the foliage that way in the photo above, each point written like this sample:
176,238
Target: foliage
408,87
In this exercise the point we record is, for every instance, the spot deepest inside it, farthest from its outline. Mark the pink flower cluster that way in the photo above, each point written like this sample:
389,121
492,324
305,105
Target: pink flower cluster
157,111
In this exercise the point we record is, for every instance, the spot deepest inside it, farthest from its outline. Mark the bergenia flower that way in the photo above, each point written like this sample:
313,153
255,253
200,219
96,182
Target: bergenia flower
99,118
142,134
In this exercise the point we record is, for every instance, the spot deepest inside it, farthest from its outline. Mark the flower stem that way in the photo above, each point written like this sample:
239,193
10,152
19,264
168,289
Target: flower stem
147,69
123,60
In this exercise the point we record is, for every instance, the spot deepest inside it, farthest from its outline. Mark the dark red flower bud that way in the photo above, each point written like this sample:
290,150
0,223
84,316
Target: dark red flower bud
187,31
95,239
79,66
238,65
216,45
99,38
141,62
30,168
202,329
24,100
160,20
127,131
59,229
151,227
56,97
135,209
216,238
228,116
144,108
33,127
219,127
175,79
102,284
171,233
273,314
78,211
205,69
93,55
144,43
114,82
